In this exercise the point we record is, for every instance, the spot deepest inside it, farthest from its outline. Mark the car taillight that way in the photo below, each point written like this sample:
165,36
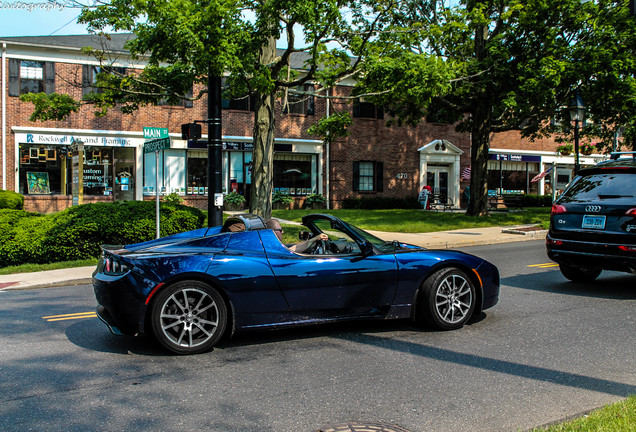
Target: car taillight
631,212
550,241
558,208
114,267
628,248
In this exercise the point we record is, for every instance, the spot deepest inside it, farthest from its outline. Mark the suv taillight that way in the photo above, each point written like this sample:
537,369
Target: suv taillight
558,208
631,212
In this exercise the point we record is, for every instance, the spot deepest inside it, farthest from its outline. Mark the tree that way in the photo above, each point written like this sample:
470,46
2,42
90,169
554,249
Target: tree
515,66
187,40
608,75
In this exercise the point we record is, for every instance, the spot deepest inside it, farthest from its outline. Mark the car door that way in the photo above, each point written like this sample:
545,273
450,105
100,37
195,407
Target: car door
347,283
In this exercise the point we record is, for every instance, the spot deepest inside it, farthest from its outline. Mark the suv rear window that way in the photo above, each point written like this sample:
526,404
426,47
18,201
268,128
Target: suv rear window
602,186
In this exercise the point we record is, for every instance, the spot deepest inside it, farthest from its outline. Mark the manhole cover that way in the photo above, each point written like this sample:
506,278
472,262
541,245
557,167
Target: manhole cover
362,427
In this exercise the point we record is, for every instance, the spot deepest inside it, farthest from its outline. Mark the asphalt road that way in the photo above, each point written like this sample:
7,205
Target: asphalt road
550,349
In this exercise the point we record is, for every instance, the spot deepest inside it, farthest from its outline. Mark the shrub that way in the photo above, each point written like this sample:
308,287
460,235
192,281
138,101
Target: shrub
315,199
11,200
79,232
282,198
234,198
173,198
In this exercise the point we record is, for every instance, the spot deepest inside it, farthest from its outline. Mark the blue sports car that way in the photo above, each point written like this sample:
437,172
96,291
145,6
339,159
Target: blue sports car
190,289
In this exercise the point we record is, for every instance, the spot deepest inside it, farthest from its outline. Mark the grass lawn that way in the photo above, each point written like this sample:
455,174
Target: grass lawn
618,417
30,268
418,221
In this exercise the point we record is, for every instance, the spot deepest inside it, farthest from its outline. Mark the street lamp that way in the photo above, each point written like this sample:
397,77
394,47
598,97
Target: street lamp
577,114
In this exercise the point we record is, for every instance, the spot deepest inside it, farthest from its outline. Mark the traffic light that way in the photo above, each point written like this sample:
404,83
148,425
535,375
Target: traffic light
190,131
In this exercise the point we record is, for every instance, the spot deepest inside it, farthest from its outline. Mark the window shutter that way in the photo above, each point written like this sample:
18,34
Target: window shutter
379,177
14,77
356,108
87,79
49,77
356,176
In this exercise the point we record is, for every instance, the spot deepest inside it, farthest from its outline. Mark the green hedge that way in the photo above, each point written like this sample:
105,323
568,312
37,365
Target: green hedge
380,203
79,232
11,200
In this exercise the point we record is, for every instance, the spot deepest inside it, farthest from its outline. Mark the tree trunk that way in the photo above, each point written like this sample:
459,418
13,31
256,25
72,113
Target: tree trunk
263,152
480,143
480,137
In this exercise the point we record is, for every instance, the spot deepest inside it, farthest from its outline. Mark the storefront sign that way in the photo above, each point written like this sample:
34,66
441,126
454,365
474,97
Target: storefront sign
514,157
87,140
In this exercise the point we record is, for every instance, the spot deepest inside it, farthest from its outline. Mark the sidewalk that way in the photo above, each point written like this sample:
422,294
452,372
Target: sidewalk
454,239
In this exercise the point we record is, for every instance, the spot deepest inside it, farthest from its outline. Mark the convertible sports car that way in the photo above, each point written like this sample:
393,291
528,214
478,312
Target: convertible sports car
190,289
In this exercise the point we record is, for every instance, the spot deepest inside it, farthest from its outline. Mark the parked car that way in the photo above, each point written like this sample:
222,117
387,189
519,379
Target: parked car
190,289
593,222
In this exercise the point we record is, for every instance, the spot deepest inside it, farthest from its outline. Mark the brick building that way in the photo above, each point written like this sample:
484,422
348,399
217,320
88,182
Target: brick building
373,161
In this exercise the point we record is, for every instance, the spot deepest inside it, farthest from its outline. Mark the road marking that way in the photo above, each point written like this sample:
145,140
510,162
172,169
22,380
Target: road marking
65,317
544,265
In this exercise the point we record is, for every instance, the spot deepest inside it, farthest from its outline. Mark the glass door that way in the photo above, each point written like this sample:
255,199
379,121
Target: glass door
437,178
124,188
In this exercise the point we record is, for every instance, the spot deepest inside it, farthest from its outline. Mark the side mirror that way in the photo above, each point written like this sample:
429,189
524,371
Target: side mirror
304,235
366,248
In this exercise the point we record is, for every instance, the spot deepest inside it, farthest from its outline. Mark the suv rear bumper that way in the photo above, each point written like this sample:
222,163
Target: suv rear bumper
591,255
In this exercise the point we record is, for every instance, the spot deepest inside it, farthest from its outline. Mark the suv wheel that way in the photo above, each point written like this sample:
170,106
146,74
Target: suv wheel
579,274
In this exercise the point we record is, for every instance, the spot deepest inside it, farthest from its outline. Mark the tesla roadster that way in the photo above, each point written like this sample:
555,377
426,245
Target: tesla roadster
190,289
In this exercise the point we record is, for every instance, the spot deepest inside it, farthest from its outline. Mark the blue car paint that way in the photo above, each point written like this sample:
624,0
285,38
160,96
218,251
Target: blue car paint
268,285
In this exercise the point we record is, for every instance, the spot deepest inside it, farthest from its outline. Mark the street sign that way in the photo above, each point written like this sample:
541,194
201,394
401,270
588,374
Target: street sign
155,132
156,145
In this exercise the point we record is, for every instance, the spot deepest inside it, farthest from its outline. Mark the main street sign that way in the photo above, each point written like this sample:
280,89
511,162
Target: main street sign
155,132
156,145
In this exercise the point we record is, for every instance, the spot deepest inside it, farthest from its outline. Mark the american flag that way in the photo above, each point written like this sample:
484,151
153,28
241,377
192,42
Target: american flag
540,176
465,175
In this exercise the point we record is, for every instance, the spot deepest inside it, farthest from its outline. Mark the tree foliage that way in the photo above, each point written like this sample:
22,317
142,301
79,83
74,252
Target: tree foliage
515,65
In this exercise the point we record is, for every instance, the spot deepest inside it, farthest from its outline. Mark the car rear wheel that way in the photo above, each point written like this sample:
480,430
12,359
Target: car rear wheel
446,300
189,317
579,274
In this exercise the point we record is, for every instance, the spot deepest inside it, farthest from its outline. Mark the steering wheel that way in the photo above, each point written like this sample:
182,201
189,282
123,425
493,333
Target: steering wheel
320,248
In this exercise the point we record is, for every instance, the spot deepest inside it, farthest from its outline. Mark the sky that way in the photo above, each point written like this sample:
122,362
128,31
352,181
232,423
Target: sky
38,18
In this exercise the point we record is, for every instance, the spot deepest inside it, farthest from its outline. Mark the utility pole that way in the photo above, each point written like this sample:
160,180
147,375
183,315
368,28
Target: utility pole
215,142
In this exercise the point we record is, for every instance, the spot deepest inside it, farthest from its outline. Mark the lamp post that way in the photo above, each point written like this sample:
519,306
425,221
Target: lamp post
577,114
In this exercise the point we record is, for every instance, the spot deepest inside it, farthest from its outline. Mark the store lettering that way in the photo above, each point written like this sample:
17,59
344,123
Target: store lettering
69,139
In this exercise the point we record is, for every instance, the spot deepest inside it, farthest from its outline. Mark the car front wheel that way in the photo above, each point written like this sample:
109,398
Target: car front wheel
189,317
446,300
579,274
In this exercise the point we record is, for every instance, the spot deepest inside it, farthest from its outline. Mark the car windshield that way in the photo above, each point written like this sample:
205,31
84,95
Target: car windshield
601,186
381,245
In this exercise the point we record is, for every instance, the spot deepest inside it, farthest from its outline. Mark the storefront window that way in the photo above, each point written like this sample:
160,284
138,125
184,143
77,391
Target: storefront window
197,172
512,177
42,170
293,174
98,171
47,170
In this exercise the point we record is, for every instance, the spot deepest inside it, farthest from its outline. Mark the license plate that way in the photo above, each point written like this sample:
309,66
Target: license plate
593,222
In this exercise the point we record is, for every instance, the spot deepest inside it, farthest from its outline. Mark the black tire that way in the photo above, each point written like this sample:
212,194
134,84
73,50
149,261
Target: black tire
579,274
446,300
188,317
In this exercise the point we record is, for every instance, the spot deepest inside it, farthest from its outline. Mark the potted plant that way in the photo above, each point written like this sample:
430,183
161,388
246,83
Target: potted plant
281,201
315,201
234,201
565,149
586,149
